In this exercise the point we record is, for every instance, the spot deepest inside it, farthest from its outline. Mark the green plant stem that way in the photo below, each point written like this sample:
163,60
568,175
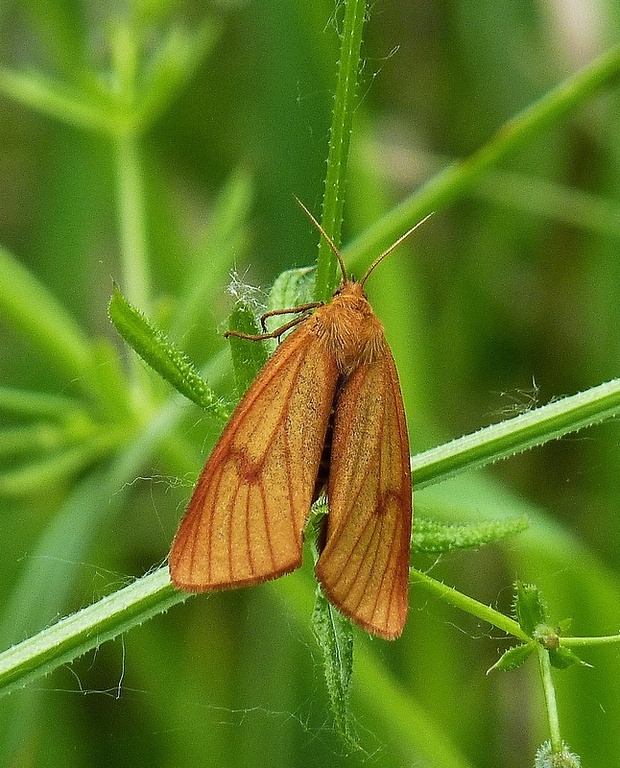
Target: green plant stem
88,628
134,259
449,184
339,140
551,705
577,642
132,227
511,190
148,596
467,604
525,431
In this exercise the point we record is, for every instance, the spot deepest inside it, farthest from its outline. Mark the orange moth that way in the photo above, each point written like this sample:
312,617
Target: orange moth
326,410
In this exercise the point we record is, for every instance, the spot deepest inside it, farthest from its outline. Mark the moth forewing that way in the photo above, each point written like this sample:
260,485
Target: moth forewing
364,568
245,520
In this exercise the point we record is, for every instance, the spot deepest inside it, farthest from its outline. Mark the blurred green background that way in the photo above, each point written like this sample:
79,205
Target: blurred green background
505,299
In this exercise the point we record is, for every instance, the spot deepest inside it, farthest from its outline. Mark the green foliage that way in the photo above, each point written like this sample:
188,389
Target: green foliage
156,350
533,616
248,356
292,288
334,635
161,144
530,608
436,537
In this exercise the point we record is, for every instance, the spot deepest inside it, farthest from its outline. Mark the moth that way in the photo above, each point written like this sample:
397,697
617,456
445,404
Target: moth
325,414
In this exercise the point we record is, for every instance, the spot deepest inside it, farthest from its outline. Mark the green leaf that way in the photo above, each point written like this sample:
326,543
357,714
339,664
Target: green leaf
223,241
562,658
532,614
514,657
334,635
248,356
21,402
430,536
292,288
158,352
530,608
61,101
33,437
179,54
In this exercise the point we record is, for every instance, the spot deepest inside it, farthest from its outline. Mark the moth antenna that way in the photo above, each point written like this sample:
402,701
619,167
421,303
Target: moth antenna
392,247
328,239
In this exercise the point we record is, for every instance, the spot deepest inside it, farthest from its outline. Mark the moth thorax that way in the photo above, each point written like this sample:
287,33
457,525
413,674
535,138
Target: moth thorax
350,329
358,342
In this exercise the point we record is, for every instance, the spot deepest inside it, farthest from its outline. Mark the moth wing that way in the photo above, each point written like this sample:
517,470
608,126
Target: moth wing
244,523
364,567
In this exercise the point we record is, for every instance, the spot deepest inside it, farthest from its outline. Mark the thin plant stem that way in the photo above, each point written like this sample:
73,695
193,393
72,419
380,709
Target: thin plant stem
551,705
449,184
339,139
